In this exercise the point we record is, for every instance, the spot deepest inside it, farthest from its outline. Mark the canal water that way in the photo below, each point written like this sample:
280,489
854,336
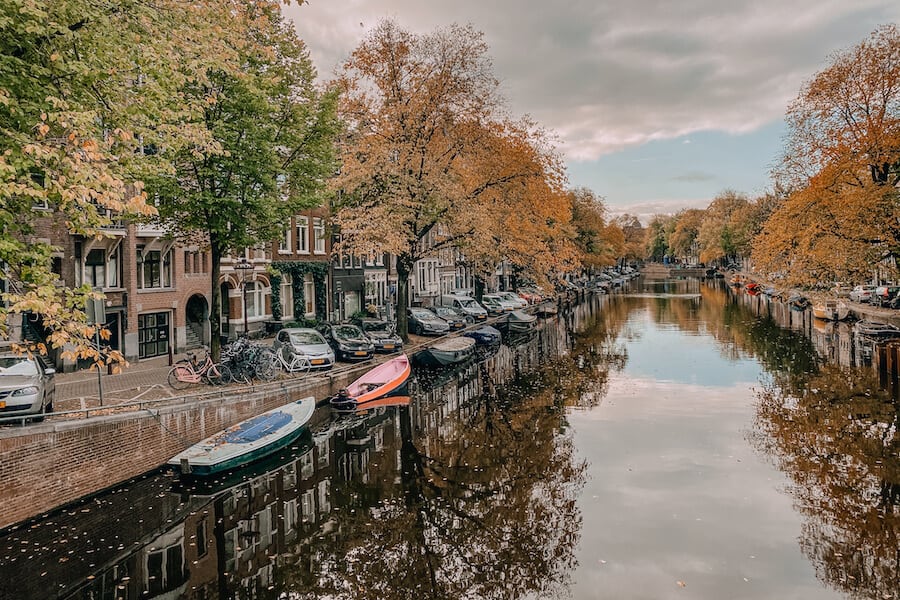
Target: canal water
666,441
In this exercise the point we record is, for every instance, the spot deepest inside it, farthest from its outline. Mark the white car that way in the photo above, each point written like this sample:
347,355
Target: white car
862,293
27,386
519,301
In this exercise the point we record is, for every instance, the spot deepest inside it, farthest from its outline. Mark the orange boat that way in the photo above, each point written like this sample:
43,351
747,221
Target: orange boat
387,379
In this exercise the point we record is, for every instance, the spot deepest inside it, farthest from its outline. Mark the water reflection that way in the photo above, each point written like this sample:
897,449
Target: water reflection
479,486
468,491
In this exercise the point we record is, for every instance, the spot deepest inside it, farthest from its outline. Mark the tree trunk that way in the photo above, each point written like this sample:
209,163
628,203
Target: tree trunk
215,311
404,267
479,288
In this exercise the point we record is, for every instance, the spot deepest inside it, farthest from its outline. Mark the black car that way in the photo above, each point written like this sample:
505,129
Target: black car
381,333
455,319
422,321
348,341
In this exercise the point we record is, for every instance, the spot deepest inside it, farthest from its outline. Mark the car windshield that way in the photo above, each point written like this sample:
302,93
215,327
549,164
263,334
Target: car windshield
445,311
347,332
16,365
376,326
421,313
468,303
301,338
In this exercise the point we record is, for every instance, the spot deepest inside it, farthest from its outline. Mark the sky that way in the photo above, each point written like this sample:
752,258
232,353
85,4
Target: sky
657,105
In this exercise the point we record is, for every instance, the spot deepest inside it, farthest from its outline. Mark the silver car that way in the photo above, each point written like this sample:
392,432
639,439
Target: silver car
27,386
308,343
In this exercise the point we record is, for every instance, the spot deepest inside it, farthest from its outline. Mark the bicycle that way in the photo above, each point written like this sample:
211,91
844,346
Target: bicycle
248,361
190,371
292,362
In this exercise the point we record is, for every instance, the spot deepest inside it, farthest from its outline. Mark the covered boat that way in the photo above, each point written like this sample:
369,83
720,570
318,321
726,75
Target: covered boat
387,379
876,329
247,441
519,321
831,310
446,352
484,335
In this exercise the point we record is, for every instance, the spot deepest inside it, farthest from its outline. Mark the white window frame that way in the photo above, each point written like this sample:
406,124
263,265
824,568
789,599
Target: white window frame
303,235
284,244
319,235
309,296
287,297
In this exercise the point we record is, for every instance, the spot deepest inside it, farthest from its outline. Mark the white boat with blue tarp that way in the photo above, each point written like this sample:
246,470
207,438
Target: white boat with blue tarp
247,441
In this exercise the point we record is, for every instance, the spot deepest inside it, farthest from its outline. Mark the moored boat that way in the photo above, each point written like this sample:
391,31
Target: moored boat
831,310
247,441
519,321
798,301
484,336
446,352
876,329
387,379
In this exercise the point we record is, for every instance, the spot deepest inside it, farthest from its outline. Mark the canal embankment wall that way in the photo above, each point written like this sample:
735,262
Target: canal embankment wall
51,464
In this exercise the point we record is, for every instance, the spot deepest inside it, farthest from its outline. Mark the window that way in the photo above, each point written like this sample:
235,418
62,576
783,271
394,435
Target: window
309,295
154,269
287,297
202,544
303,235
284,244
253,294
319,231
95,268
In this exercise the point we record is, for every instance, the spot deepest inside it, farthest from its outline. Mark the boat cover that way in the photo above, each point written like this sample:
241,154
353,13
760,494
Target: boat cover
257,427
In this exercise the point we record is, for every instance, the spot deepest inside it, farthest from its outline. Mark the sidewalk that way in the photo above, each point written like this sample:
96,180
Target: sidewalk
141,380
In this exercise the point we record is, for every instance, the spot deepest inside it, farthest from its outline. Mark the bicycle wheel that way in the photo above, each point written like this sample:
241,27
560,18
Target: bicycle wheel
299,366
179,377
266,367
218,374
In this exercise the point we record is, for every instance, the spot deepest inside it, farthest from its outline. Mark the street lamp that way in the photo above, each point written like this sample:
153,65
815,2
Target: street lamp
244,266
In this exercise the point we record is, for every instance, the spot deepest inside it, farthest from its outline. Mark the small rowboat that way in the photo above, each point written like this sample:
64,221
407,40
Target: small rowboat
831,310
450,351
387,379
518,321
247,441
876,329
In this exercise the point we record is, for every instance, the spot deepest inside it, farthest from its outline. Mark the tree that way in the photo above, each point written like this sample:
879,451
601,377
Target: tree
430,162
683,240
80,84
717,233
634,236
658,233
599,243
842,161
270,147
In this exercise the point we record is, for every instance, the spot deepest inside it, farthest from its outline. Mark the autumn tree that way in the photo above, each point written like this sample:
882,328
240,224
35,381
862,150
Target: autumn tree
842,159
657,237
600,244
265,151
686,228
430,161
635,237
81,84
717,235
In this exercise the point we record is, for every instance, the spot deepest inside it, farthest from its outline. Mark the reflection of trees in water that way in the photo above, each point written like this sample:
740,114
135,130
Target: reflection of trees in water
839,442
487,513
581,376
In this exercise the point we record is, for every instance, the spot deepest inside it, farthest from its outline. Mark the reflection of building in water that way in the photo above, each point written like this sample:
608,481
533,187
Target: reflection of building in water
164,538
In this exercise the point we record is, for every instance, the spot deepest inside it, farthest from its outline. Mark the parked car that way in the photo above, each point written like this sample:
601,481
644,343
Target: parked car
306,342
531,294
27,386
455,319
474,312
862,293
514,298
497,305
884,294
348,341
381,333
422,321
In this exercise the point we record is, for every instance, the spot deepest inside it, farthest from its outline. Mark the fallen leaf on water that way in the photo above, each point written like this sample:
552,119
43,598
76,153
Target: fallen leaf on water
681,583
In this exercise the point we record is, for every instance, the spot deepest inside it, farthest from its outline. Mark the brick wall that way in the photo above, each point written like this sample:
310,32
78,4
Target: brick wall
51,464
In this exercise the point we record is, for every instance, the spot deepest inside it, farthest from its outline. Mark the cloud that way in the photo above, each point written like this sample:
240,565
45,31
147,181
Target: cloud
606,76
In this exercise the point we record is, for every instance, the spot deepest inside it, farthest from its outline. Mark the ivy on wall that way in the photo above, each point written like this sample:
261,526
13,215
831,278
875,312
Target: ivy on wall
297,271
